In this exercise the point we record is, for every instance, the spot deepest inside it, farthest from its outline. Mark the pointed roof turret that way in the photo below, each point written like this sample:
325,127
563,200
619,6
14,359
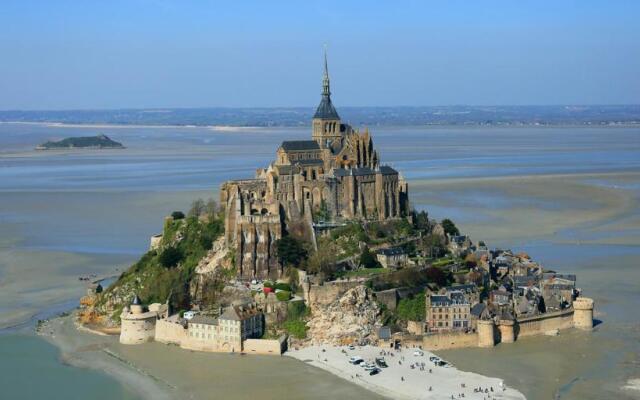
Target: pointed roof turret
136,301
325,109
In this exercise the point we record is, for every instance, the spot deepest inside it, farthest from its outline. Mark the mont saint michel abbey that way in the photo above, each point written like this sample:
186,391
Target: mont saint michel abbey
336,174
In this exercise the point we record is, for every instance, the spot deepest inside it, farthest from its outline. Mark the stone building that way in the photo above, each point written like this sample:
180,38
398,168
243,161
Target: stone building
336,174
448,312
228,333
393,257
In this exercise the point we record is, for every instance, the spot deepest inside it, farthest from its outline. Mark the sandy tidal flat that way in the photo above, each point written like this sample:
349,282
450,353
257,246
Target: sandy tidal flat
399,380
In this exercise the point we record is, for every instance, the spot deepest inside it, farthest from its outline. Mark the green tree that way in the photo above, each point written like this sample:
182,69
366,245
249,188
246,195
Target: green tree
421,221
197,208
211,209
290,251
324,260
368,259
412,309
437,276
170,257
449,227
433,246
177,215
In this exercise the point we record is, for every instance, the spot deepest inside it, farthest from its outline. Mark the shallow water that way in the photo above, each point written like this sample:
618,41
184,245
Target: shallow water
30,368
568,196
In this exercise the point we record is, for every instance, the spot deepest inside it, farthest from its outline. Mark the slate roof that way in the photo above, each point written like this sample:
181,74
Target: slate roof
239,312
326,110
387,170
300,145
393,251
204,320
478,309
440,300
312,161
467,288
384,170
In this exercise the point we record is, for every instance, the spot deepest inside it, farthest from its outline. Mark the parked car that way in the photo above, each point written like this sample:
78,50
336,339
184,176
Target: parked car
370,367
375,371
418,353
380,362
355,360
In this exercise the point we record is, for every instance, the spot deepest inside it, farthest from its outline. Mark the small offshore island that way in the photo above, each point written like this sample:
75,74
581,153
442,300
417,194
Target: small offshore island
321,256
85,142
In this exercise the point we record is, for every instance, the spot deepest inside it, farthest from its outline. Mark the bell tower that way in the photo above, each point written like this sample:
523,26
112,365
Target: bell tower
326,122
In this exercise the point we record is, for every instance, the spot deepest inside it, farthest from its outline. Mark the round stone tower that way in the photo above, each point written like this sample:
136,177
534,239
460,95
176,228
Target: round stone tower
583,313
486,336
507,334
137,325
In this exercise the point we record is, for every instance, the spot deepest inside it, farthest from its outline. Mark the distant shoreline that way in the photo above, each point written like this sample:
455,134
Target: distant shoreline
243,128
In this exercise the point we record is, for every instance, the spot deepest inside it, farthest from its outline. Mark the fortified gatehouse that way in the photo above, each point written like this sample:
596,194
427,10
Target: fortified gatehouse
337,173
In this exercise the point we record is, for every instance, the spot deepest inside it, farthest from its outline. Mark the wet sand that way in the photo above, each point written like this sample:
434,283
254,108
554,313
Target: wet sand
87,350
534,207
567,196
158,371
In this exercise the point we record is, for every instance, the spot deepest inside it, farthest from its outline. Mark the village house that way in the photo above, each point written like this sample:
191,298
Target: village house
394,257
227,332
446,312
459,244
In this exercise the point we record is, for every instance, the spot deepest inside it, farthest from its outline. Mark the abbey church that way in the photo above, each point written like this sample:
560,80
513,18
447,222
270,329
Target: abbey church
336,175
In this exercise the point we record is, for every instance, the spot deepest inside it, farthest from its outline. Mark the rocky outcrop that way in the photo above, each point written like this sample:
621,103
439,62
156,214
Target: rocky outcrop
352,318
216,258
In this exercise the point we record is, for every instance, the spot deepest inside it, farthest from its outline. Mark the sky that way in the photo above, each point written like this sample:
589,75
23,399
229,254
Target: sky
88,54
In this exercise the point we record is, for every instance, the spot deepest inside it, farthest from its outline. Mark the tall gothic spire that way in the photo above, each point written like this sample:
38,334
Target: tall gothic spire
325,109
325,78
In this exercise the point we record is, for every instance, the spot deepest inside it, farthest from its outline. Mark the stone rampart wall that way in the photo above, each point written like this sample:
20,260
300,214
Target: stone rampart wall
170,332
265,346
540,324
453,340
330,291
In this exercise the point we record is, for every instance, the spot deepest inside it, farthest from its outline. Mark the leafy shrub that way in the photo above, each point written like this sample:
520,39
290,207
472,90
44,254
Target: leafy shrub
283,295
437,276
290,251
268,284
177,215
449,227
368,259
296,310
283,286
296,328
412,309
170,257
